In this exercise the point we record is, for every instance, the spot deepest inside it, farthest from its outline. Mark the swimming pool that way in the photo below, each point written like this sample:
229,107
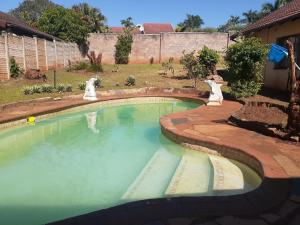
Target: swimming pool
102,155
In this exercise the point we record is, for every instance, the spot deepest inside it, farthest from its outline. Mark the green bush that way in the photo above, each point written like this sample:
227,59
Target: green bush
46,88
243,88
68,88
130,81
97,68
98,83
245,61
194,68
123,47
209,58
82,86
81,66
28,90
61,88
36,89
15,69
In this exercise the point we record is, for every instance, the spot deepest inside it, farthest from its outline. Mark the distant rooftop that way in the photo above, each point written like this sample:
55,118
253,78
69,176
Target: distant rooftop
149,28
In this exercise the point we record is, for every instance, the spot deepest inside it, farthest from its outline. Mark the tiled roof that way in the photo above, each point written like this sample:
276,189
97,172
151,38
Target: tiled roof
285,13
19,27
118,30
156,28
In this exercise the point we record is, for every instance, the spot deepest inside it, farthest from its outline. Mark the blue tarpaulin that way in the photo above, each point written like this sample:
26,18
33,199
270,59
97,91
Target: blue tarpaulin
277,53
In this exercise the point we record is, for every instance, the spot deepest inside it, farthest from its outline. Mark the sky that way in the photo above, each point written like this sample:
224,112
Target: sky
213,12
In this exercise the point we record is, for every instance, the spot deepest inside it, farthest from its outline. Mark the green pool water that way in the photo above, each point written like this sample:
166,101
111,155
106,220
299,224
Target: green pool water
97,157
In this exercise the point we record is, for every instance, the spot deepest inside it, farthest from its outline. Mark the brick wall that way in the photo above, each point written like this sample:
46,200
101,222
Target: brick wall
159,46
35,53
3,61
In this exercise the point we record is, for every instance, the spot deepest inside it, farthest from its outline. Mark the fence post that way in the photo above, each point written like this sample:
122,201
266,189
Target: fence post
7,54
46,55
55,50
24,54
36,52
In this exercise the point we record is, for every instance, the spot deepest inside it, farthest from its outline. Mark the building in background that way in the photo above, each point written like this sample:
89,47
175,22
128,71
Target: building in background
13,25
147,28
277,27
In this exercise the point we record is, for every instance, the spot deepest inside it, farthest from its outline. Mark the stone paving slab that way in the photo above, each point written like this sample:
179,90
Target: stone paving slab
279,159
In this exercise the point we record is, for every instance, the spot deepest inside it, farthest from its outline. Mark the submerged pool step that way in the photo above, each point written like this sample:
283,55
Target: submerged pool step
154,178
227,176
192,177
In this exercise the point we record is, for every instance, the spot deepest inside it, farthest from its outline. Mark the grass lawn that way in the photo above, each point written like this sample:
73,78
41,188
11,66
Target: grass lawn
146,76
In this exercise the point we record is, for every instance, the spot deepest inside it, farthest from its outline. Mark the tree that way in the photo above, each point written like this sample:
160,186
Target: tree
234,24
195,69
128,23
123,47
268,8
65,24
251,16
92,16
30,10
192,23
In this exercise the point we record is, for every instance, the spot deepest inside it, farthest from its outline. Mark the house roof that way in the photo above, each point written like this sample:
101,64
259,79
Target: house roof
17,26
156,28
149,28
118,30
283,14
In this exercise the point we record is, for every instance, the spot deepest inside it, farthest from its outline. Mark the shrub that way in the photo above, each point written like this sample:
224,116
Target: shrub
15,69
82,86
61,88
36,89
209,58
28,90
81,66
98,83
95,62
97,68
46,88
245,61
194,68
130,81
68,88
243,88
123,47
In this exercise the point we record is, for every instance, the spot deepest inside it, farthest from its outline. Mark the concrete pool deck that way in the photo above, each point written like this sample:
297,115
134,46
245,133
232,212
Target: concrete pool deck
276,201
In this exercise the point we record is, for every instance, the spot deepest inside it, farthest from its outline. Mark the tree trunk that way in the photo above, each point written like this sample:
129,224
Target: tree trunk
293,125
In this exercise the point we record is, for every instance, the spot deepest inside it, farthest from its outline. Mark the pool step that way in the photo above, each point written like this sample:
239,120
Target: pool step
192,176
227,176
154,178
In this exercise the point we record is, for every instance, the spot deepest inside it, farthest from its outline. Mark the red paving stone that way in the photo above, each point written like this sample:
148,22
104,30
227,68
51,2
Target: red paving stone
208,125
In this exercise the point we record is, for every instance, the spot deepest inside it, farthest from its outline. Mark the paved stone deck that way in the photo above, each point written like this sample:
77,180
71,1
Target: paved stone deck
208,126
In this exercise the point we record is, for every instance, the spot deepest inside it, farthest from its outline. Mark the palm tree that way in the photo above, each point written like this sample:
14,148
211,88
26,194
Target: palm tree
92,16
251,16
267,8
